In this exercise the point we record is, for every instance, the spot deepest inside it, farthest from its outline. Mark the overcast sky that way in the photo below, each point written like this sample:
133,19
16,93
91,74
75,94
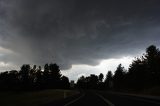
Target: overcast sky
79,35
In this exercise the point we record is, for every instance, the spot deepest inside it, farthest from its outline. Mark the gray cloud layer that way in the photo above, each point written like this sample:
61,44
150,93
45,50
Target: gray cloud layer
76,31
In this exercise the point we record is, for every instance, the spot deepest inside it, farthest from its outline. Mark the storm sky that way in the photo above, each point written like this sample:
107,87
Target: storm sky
75,32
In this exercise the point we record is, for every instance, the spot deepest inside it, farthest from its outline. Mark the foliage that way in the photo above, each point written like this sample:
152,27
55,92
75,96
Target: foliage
143,73
30,78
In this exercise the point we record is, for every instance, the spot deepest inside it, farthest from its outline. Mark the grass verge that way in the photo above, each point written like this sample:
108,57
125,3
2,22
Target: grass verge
35,98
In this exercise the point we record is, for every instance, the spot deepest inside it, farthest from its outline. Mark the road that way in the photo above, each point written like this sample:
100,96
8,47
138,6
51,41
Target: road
88,99
124,100
93,98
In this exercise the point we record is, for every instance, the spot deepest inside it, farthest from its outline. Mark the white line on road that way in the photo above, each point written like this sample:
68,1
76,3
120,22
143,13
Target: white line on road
105,100
71,102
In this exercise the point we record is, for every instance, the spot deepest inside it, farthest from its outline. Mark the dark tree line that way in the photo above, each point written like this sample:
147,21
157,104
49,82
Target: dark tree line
143,73
33,78
90,82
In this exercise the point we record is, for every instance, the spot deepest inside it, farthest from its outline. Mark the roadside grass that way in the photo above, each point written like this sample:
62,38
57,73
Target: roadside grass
35,98
154,91
150,92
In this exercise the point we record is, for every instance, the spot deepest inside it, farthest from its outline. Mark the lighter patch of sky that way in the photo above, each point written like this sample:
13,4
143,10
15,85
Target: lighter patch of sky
77,70
7,66
110,64
4,51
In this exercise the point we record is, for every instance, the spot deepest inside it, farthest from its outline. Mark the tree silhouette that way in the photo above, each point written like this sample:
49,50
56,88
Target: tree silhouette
153,62
92,81
89,82
81,82
100,81
55,71
109,80
46,76
143,73
13,79
55,76
137,74
100,77
25,76
4,80
29,78
39,77
118,77
65,82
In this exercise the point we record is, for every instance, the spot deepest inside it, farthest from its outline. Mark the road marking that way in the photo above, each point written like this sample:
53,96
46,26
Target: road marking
105,100
71,102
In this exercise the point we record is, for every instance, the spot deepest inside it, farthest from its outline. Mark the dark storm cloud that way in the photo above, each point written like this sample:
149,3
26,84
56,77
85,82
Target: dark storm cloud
76,31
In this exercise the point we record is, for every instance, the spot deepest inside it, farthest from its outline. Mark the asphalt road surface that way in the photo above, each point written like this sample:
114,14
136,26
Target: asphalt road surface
124,100
93,98
88,99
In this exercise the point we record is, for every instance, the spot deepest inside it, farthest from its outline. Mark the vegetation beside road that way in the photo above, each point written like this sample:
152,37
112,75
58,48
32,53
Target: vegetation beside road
34,98
154,91
142,76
